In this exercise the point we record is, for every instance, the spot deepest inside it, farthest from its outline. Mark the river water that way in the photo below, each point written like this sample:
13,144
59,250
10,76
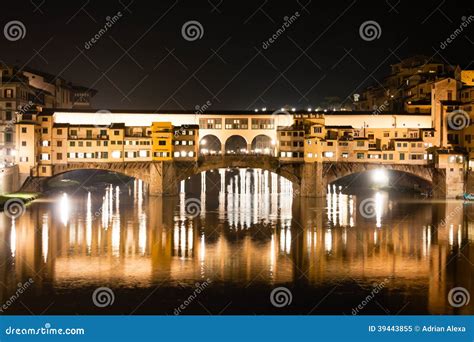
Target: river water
222,248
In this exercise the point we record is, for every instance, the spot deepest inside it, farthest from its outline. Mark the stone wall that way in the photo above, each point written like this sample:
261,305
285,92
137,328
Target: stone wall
9,179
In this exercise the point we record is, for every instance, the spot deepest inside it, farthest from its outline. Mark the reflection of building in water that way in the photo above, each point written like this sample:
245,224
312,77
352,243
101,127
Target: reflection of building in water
134,240
372,250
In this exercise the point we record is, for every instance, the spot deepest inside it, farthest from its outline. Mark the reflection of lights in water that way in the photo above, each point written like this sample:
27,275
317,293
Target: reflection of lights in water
142,233
45,236
272,254
344,236
426,240
351,211
105,210
459,235
140,192
342,202
183,237
182,187
375,237
243,204
379,204
13,238
285,240
116,235
64,209
222,179
89,221
202,249
203,181
328,240
116,228
117,199
451,235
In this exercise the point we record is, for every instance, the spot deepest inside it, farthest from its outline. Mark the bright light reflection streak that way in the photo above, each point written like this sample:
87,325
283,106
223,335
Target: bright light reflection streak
45,236
379,204
328,240
13,238
451,235
89,222
64,209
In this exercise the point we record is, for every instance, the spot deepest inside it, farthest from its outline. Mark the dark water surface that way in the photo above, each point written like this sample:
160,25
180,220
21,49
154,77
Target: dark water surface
386,253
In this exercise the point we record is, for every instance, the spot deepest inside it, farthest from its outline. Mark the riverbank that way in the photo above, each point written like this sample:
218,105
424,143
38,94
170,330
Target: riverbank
25,197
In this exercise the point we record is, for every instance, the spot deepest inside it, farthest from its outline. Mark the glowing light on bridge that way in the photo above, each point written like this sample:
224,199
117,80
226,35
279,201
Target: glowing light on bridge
380,177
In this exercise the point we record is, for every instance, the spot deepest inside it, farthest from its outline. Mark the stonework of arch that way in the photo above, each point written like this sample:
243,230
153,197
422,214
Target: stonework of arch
138,170
291,171
334,171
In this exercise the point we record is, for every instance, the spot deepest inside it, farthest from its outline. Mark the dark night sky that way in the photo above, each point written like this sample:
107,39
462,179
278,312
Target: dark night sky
144,62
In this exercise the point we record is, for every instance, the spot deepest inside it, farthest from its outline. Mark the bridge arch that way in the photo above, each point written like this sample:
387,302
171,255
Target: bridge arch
210,144
263,144
236,144
292,172
334,172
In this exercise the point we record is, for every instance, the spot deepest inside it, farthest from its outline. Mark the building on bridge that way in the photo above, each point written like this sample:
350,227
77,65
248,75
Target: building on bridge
25,89
49,140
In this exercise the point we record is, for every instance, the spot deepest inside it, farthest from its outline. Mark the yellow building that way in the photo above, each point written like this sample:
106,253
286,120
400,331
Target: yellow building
162,140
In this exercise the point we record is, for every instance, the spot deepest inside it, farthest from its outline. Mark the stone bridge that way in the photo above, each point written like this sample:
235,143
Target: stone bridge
310,179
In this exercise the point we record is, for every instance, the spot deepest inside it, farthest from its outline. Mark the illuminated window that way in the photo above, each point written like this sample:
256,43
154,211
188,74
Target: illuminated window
116,154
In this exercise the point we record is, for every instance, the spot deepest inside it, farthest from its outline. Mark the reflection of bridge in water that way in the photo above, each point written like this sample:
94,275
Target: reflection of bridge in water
135,240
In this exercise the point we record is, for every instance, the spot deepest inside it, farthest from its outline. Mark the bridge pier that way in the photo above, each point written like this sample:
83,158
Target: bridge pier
448,183
163,180
313,184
